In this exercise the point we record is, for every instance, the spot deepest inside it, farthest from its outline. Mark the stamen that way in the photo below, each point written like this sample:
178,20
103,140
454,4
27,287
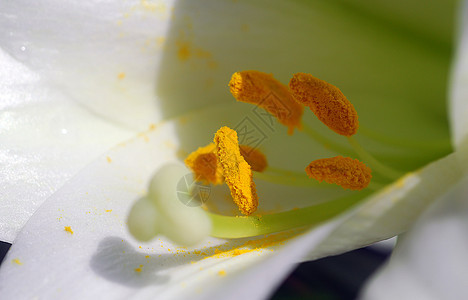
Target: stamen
344,171
326,101
264,90
236,171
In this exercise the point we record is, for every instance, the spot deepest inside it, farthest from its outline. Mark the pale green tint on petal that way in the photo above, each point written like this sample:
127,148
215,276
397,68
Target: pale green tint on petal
430,261
414,17
104,54
45,139
395,78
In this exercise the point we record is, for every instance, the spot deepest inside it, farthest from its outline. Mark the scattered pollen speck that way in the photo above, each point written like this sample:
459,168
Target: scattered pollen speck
121,75
139,247
147,256
17,261
109,160
222,273
183,51
108,210
138,270
68,229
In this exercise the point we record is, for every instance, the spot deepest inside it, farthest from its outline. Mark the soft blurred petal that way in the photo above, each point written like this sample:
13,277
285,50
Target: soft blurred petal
45,139
459,85
430,261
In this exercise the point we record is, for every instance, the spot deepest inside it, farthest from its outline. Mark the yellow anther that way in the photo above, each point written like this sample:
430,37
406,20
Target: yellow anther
236,171
204,164
344,171
265,91
254,157
327,102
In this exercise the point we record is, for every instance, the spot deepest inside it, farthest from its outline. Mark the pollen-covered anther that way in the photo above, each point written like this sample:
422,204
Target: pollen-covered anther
237,172
326,101
344,171
265,91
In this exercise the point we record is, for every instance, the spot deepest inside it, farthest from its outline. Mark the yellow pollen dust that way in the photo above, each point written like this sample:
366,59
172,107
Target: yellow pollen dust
68,229
344,171
265,91
237,172
204,163
327,102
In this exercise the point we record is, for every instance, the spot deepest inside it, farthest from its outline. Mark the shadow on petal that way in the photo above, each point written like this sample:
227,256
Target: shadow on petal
116,260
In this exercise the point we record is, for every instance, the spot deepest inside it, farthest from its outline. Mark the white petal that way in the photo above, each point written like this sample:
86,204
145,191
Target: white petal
430,261
459,83
45,139
105,54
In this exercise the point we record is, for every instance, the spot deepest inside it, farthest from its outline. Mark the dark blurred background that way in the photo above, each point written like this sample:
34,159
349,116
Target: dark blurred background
336,277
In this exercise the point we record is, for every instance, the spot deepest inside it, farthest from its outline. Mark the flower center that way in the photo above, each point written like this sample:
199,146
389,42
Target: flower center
225,161
325,100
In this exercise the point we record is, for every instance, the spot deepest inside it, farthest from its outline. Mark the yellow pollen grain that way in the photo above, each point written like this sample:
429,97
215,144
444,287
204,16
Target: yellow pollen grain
327,102
265,91
17,261
138,270
121,75
183,51
222,273
68,229
237,172
344,171
109,160
108,210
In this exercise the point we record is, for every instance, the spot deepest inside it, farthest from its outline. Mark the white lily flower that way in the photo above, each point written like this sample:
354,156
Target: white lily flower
118,68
